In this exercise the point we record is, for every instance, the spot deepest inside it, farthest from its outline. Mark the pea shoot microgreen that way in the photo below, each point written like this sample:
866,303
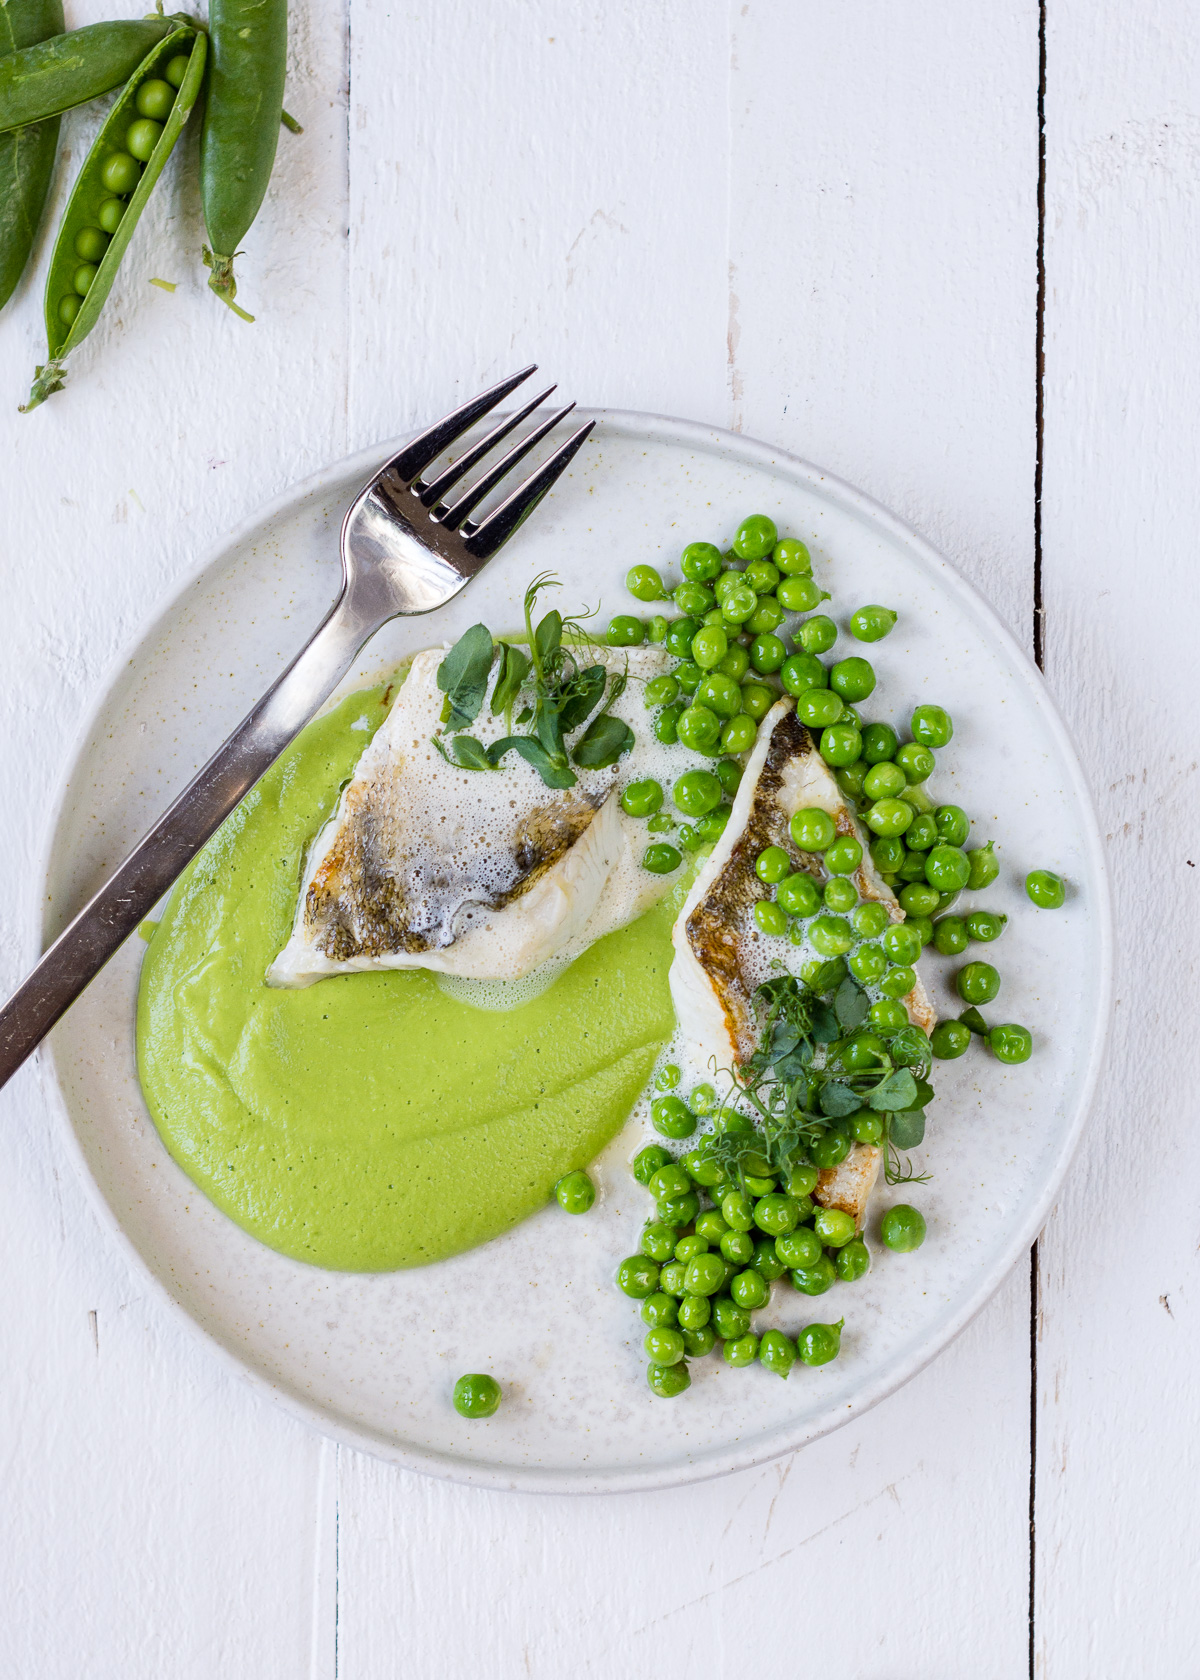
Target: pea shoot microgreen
565,695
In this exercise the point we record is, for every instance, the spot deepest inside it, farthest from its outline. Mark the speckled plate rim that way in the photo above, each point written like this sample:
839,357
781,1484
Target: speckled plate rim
686,434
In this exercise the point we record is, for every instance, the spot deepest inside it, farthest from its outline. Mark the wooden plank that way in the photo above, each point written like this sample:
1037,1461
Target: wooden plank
158,1517
1120,1275
846,266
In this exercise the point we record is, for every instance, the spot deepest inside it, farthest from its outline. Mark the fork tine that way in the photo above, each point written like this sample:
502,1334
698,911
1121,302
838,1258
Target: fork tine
432,493
483,540
418,454
451,518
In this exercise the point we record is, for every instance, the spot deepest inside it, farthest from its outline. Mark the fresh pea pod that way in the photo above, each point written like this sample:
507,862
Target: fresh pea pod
242,114
50,77
108,174
26,154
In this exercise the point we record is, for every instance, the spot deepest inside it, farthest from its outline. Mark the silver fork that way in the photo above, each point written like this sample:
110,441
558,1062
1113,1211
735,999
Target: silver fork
406,549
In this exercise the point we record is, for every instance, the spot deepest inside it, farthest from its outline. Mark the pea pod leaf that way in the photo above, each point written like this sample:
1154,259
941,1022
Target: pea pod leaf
898,1091
850,1005
907,1128
586,691
463,676
602,742
554,774
973,1019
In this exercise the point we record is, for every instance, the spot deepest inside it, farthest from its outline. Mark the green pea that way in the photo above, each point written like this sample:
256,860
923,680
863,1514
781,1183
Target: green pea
739,734
800,1248
729,775
735,663
916,761
624,631
884,780
829,973
91,244
888,1015
679,1210
82,279
659,1311
701,562
766,1261
853,679
741,1351
870,920
1046,889
871,624
775,1214
155,99
656,629
767,653
69,307
977,983
757,700
709,647
762,576
832,1147
812,829
658,1243
817,635
769,918
694,599
660,823
917,899
1011,1043
923,926
903,1228
777,1352
922,834
696,792
840,744
802,671
637,1276
110,213
737,1247
889,818
671,1278
866,1127
689,676
687,1248
737,1211
950,1040
680,635
737,603
849,778
749,1288
830,936
986,925
762,623
575,1192
950,936
661,859
984,867
898,981
120,173
839,894
671,1116
660,691
868,964
699,727
711,1226
710,828
818,708
887,853
798,895
670,1179
668,1380
772,865
694,1312
792,557
720,694
817,1344
642,799
953,824
664,1347
844,856
476,1395
728,1319
862,1050
932,726
947,869
177,69
755,537
901,944
141,137
853,1261
880,744
815,1279
698,1343
834,1227
647,1161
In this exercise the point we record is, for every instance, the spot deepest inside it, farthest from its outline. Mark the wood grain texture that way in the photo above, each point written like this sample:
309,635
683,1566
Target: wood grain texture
1120,1283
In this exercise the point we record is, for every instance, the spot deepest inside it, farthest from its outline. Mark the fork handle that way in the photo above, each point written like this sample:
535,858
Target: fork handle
103,925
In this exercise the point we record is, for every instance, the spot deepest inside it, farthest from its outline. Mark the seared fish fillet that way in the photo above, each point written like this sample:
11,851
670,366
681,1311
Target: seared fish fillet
720,956
481,874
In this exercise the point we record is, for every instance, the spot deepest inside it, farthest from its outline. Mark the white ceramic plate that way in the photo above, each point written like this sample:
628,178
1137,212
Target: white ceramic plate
372,1359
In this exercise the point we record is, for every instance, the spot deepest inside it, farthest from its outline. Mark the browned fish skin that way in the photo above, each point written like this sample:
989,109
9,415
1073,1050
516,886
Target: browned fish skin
714,927
364,901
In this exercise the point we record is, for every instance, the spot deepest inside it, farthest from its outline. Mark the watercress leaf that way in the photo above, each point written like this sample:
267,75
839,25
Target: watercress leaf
514,668
555,775
907,1128
547,638
837,1099
897,1091
583,698
463,674
973,1019
825,1029
850,1005
602,742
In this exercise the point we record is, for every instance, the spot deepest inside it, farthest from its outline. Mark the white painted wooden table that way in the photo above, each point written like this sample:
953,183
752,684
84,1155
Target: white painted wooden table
818,223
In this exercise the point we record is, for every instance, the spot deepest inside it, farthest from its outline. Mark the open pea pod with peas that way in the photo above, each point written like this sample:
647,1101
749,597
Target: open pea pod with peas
27,153
113,189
